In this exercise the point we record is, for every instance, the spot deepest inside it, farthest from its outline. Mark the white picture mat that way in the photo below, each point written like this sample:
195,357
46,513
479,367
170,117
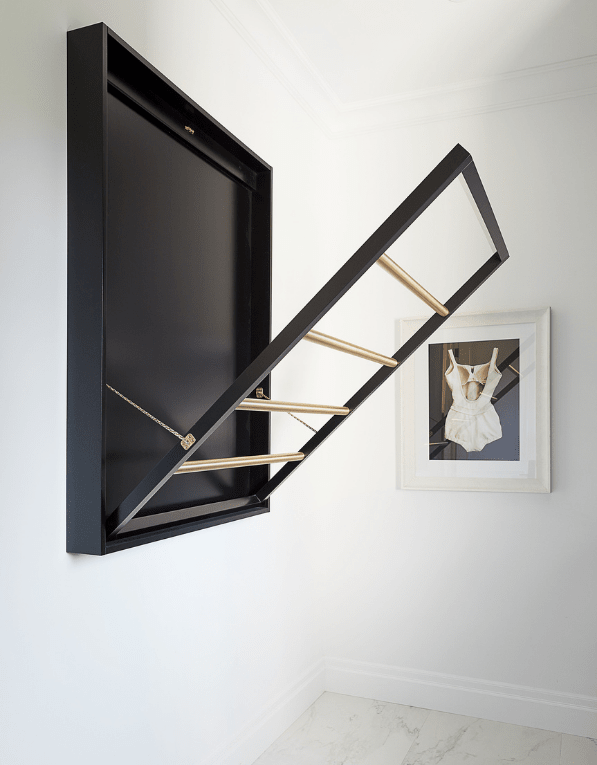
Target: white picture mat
529,474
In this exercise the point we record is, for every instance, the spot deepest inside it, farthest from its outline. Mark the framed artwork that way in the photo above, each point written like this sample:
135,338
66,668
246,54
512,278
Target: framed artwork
474,404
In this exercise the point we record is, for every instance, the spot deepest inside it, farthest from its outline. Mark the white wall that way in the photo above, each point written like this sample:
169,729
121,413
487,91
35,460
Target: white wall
164,652
493,587
173,651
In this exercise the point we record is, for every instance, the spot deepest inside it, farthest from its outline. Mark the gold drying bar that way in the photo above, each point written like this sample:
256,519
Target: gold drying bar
399,273
200,466
354,350
259,405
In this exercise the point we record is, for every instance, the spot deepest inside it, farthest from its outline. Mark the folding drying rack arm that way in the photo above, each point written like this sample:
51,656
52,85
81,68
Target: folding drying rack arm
457,162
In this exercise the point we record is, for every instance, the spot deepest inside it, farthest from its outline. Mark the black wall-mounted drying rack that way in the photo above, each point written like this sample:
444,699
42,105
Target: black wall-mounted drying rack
170,307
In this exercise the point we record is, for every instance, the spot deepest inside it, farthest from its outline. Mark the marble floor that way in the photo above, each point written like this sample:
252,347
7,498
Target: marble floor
346,730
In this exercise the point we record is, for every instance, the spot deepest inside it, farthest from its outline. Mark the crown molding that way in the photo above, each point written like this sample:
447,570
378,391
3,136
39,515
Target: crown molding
470,85
411,119
266,34
513,90
299,52
262,33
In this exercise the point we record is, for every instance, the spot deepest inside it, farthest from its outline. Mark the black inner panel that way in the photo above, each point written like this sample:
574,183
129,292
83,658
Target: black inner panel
178,309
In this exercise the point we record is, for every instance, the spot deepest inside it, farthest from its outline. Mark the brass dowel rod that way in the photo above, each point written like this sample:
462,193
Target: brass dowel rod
259,405
399,273
200,466
354,350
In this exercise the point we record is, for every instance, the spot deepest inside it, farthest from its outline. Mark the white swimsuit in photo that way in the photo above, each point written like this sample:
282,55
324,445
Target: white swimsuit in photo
473,422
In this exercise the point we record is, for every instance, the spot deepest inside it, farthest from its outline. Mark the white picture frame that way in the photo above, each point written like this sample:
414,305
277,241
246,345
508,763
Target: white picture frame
531,471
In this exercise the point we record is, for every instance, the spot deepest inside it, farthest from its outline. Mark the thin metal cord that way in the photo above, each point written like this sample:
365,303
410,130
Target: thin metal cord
170,430
262,395
151,417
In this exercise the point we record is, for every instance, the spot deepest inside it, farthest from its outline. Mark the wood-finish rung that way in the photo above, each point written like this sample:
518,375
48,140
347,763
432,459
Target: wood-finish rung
201,466
399,273
354,350
259,405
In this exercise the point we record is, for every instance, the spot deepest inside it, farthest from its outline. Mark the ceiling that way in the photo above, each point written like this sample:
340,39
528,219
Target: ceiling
384,48
359,65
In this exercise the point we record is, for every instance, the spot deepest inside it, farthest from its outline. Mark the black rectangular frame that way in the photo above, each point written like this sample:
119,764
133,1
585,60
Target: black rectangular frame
101,64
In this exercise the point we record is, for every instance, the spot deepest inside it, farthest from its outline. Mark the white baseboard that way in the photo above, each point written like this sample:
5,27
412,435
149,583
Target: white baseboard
517,704
272,721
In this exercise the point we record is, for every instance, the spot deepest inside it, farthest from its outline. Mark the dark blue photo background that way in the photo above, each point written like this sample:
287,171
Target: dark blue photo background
506,403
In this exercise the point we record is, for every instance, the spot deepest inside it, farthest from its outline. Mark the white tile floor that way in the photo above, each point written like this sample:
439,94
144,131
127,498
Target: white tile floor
345,730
